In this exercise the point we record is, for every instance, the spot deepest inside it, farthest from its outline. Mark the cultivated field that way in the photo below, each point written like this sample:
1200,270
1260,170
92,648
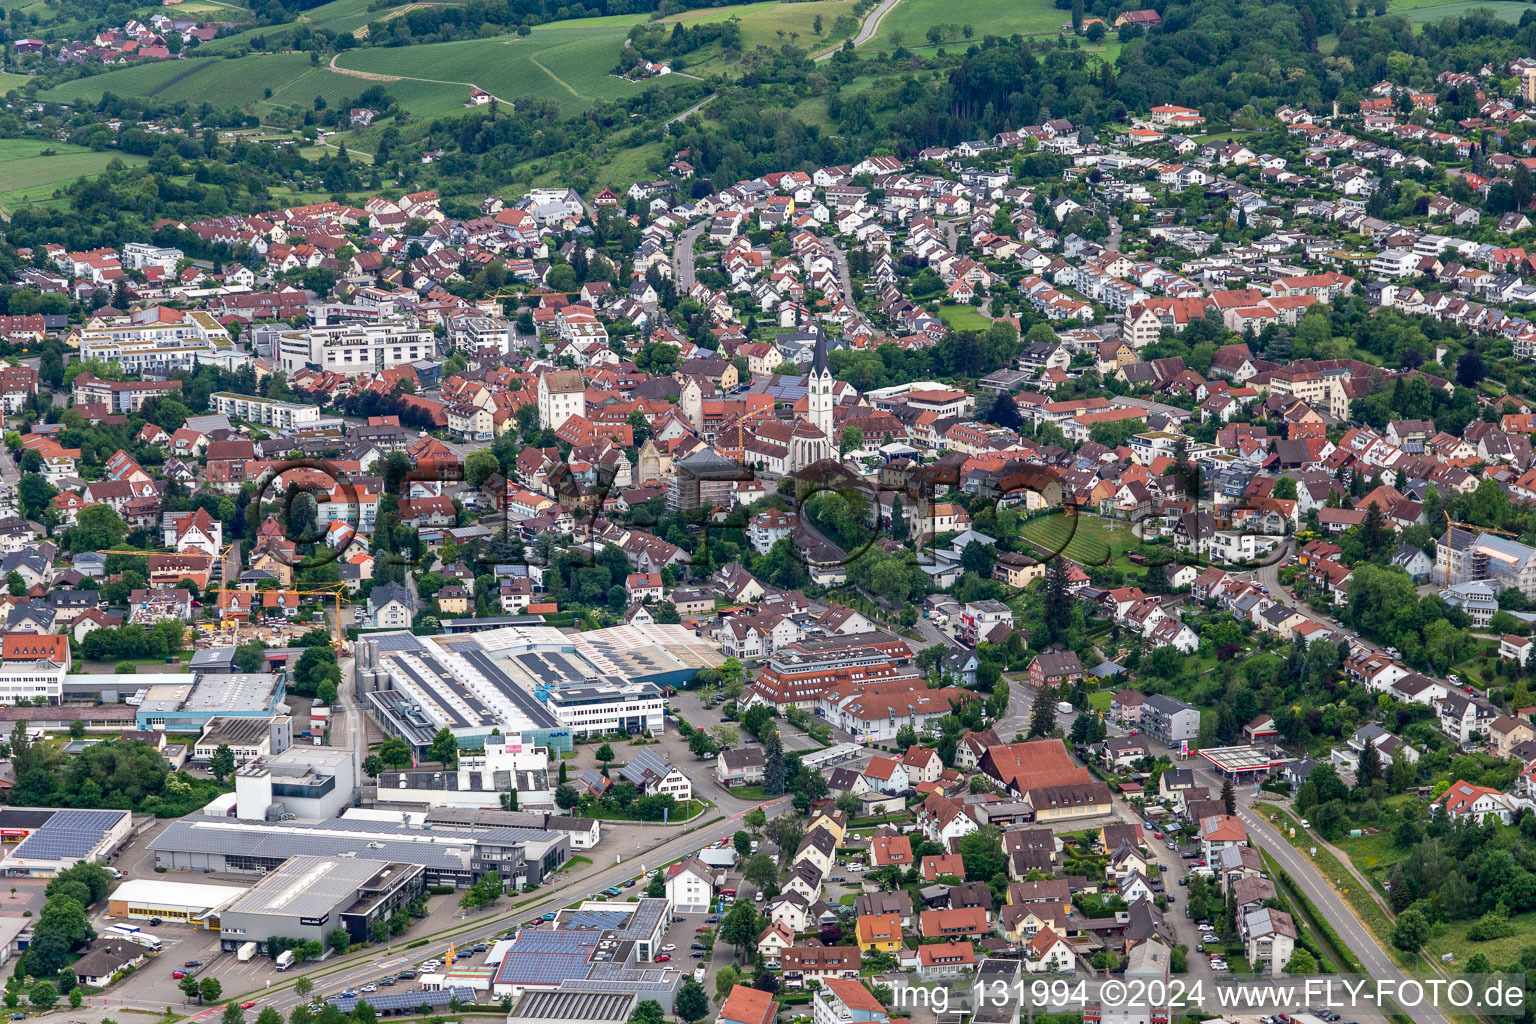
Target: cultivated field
567,64
27,176
761,23
911,19
1084,539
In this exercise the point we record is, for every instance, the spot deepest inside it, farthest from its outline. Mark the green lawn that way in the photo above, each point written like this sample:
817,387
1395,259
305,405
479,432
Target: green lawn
9,81
27,176
1099,700
1087,540
911,19
961,317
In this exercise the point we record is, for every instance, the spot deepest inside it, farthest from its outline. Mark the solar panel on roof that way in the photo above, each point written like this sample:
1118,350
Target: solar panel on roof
395,1001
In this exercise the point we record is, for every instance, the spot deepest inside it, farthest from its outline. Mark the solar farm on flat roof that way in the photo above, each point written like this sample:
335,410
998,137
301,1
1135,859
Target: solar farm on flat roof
69,833
403,1002
569,1006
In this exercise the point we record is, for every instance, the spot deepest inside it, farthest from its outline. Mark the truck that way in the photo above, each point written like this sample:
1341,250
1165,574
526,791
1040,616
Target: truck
145,939
698,975
124,929
285,960
246,951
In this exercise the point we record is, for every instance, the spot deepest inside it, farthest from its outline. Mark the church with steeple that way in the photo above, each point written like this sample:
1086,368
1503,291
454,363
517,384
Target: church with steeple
819,391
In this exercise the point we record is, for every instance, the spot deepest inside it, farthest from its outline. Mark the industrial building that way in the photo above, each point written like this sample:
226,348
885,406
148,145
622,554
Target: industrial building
310,896
306,782
187,703
595,948
61,840
195,903
535,681
450,856
584,833
247,738
504,764
532,680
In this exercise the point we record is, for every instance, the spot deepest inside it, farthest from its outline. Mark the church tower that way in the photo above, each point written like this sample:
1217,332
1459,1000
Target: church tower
690,402
819,393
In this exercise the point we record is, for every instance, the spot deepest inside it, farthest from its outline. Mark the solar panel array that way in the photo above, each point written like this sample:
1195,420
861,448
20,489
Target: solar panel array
645,765
574,1006
397,1002
546,957
68,834
599,919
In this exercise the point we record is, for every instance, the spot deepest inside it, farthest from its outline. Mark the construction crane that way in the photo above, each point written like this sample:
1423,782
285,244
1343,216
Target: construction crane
1470,528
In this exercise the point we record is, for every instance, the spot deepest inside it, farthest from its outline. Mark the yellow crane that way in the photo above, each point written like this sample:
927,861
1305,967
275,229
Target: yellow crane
1470,528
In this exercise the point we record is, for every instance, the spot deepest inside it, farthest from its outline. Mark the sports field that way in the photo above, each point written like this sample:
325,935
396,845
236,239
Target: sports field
27,176
1087,540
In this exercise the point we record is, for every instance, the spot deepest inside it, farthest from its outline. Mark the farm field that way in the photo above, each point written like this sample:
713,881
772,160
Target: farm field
27,176
567,64
1505,10
9,81
1084,539
292,79
761,23
911,19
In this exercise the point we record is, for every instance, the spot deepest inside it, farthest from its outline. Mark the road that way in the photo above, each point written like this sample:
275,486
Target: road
1268,577
682,255
868,30
691,110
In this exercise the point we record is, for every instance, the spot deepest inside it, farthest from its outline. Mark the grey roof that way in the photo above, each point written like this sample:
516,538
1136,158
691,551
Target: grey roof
573,1006
306,886
381,596
450,848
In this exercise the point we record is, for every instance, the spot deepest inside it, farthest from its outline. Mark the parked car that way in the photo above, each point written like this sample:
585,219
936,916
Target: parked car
370,987
662,958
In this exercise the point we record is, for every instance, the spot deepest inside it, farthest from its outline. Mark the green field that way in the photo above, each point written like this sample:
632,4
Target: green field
962,317
9,81
1505,10
911,19
761,23
1087,540
27,176
567,64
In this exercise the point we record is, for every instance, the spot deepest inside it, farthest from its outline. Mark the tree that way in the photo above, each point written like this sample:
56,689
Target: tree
97,527
1411,931
373,764
396,753
232,1014
339,940
480,465
188,986
742,841
566,797
1301,962
851,440
1042,714
222,763
444,748
1057,598
304,986
605,755
1369,769
43,995
727,978
209,989
483,893
691,1003
982,854
762,871
1228,795
739,927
